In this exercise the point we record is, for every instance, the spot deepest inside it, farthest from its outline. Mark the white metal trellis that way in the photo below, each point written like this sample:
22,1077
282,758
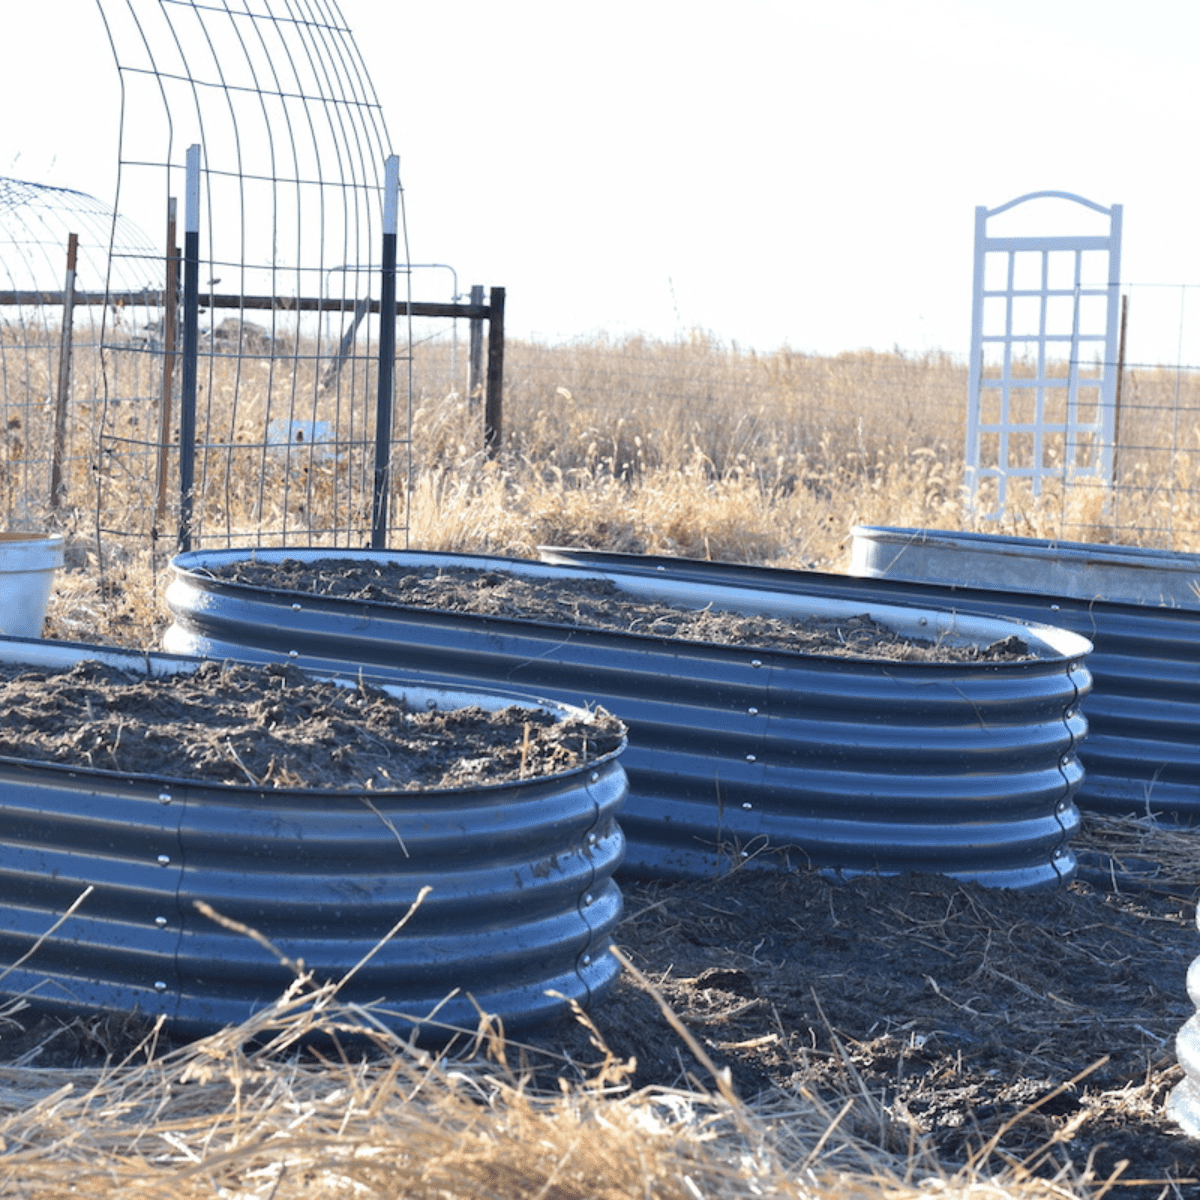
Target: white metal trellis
1043,368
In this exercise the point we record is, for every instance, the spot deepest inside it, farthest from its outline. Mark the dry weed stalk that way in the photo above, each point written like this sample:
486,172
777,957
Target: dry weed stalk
312,1098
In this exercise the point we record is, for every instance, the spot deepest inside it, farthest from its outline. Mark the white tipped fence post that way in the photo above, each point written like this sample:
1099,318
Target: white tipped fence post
387,356
191,347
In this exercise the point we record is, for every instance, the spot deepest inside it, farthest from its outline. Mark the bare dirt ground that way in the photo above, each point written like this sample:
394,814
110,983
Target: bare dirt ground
958,1016
600,604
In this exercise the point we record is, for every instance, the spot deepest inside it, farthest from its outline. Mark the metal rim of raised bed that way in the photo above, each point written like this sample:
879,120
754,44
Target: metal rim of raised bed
851,766
1142,575
518,926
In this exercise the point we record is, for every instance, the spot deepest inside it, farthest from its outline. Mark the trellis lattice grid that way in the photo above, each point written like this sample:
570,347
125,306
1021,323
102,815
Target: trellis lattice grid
1043,367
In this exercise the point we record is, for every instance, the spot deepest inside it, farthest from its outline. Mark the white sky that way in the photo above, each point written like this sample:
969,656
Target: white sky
770,171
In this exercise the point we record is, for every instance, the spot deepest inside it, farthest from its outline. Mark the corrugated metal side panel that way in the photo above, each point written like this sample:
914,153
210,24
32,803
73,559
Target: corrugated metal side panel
732,748
1142,751
522,902
506,919
61,832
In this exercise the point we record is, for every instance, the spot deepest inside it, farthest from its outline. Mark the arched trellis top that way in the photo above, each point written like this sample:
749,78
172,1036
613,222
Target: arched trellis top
1108,212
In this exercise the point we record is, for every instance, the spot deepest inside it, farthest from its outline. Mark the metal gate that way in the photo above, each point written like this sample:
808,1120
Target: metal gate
1043,369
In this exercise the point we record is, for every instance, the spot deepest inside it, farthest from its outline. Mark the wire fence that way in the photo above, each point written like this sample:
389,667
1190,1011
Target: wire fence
1150,495
65,285
274,406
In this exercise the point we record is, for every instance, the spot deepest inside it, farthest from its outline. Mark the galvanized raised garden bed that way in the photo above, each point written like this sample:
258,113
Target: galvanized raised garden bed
1142,752
1139,607
736,754
522,901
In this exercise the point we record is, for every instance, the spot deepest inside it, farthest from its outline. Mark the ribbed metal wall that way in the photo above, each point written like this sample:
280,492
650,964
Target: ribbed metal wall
523,901
1143,747
962,768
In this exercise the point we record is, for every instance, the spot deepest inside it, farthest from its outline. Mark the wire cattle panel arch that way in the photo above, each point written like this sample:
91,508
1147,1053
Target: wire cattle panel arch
279,393
1043,369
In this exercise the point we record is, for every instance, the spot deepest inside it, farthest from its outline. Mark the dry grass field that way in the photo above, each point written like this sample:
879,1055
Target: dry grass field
690,448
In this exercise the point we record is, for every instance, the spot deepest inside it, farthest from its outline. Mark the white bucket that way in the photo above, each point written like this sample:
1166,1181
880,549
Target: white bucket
27,565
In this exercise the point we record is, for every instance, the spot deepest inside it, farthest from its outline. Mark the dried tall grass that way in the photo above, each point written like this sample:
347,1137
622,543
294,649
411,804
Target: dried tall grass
689,448
312,1098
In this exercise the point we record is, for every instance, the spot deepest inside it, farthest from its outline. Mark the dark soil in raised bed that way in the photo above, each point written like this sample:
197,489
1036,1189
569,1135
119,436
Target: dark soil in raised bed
600,604
275,726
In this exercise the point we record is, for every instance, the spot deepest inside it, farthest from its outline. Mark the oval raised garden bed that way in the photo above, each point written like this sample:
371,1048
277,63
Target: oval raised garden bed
516,838
1142,753
737,751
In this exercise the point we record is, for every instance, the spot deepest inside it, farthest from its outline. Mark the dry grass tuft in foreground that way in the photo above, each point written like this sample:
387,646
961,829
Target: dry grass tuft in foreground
312,1099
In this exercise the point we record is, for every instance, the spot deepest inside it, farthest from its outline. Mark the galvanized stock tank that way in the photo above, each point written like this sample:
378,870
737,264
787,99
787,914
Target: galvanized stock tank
522,904
1142,752
736,754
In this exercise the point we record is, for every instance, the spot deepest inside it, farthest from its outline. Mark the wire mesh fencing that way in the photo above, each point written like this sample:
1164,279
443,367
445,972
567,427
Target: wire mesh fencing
70,299
275,402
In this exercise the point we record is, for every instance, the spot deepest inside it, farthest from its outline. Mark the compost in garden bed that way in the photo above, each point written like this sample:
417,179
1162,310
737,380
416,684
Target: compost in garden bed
276,726
600,604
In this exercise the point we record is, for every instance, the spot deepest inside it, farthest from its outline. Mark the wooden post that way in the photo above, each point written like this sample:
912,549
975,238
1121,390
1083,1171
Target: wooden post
57,489
475,354
169,331
493,413
334,369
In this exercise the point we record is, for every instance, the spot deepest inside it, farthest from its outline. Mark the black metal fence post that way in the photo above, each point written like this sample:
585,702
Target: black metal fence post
191,348
493,413
387,357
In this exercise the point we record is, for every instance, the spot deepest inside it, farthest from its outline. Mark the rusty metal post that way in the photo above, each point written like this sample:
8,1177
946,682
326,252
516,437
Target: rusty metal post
493,413
57,488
